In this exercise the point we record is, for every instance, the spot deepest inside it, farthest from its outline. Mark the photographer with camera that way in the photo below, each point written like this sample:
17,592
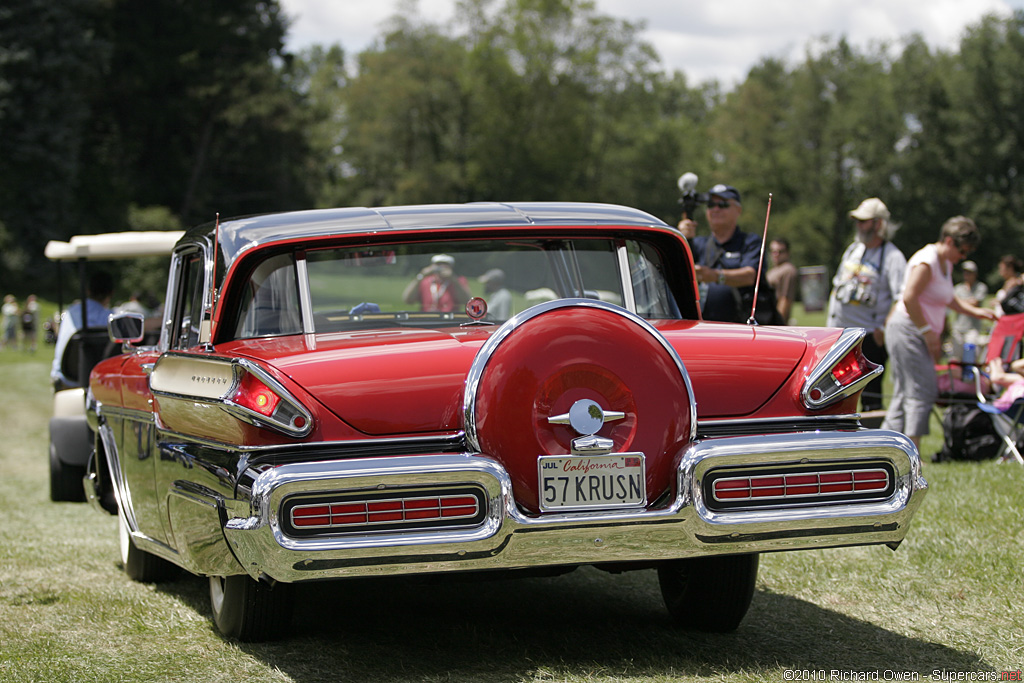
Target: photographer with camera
688,200
437,288
726,263
868,281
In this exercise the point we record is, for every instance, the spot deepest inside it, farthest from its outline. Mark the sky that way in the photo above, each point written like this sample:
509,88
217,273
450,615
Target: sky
706,39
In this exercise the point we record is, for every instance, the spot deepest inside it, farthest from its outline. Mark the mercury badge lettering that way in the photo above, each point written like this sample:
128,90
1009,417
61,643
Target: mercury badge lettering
483,387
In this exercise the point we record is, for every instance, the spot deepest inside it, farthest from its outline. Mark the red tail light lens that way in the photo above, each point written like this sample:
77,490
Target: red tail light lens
849,368
370,512
829,485
255,395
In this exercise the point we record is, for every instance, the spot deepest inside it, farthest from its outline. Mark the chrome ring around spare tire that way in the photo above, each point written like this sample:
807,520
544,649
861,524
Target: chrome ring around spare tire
532,380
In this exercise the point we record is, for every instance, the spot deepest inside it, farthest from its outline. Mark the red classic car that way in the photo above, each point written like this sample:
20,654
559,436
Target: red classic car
516,387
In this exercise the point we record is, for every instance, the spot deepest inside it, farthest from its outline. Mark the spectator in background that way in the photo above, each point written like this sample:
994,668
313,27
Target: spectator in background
782,276
133,305
29,317
866,285
726,263
914,329
499,299
10,322
437,287
971,291
1009,270
97,311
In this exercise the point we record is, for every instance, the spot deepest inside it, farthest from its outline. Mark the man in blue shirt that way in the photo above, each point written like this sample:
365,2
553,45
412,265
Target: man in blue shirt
97,305
726,262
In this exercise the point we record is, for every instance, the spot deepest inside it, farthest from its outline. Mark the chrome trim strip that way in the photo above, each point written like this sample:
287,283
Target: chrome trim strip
509,538
483,356
305,296
628,296
850,337
117,478
853,417
126,413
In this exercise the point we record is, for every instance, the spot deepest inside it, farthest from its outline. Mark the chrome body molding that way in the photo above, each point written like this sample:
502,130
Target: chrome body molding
510,539
741,426
197,383
355,448
483,356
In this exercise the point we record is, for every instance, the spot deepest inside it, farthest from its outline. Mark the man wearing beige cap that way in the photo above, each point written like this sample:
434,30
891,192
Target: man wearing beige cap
971,290
868,281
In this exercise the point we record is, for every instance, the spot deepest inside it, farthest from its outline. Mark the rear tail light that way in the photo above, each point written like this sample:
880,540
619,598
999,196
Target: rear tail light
731,489
371,512
258,398
842,373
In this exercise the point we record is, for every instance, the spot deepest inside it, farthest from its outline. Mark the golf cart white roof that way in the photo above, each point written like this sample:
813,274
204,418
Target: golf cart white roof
113,245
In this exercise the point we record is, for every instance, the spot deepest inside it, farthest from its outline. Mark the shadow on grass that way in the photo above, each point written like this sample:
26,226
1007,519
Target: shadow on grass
586,625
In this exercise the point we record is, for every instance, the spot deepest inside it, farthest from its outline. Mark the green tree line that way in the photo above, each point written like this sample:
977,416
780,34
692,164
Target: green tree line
119,113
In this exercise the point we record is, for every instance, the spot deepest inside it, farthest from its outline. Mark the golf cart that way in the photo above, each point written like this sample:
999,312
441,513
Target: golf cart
71,439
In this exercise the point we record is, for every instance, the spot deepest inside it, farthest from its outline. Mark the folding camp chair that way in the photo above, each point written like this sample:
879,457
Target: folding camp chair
1006,344
1009,426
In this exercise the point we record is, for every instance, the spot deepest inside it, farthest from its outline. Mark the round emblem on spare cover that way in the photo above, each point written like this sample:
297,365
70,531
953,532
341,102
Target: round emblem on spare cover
586,417
583,353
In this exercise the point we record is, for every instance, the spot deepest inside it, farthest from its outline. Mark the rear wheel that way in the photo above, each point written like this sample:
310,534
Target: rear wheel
709,593
140,565
65,480
250,610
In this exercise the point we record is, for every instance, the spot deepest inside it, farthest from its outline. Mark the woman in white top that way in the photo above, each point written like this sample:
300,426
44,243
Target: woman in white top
914,328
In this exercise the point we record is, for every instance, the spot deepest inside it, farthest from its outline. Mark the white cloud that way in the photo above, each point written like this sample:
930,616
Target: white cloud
720,39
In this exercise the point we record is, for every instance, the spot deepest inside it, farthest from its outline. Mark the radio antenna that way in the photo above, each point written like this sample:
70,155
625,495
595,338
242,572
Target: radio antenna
213,277
760,263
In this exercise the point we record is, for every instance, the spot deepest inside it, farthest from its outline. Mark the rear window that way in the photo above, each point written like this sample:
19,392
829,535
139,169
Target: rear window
430,283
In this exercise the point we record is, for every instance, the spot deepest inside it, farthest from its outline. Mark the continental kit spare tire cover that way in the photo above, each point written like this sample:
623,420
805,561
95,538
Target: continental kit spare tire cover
581,352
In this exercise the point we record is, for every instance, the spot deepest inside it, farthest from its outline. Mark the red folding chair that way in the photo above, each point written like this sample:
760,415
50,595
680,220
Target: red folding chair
1006,344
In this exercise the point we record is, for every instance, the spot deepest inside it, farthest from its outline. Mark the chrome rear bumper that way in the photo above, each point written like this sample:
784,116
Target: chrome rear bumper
509,539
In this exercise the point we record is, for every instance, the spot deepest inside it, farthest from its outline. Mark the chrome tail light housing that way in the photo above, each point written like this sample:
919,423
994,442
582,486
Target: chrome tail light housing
843,372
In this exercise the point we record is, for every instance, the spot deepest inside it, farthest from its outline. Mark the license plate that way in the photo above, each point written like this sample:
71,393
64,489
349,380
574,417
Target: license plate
591,482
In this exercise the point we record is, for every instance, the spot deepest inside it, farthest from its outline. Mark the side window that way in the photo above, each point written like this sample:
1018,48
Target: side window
651,292
270,301
188,301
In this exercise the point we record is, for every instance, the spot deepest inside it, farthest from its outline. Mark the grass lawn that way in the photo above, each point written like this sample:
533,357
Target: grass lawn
949,599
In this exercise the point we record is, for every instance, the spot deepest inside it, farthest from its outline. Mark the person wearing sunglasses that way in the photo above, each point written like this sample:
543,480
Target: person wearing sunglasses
726,264
914,328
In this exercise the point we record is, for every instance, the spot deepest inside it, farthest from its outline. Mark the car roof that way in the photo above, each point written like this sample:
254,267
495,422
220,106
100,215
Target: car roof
113,245
239,234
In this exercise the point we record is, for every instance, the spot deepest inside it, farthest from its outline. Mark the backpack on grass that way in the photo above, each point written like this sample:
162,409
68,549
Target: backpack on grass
968,434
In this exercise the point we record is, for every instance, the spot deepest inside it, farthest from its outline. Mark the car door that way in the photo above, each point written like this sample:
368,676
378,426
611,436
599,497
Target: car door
186,315
138,446
140,452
